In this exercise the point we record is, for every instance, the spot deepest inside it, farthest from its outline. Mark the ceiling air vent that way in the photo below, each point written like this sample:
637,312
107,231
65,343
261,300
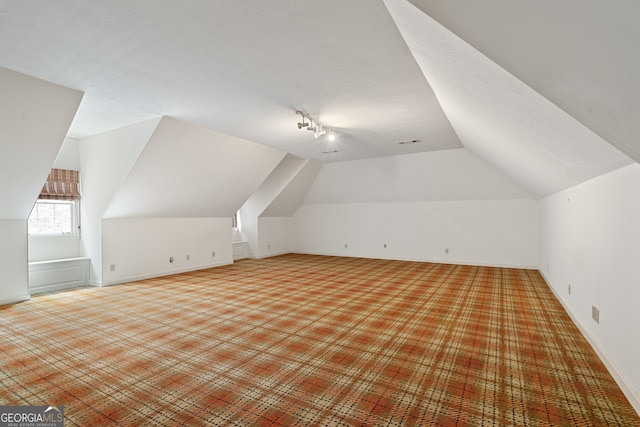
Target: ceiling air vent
411,141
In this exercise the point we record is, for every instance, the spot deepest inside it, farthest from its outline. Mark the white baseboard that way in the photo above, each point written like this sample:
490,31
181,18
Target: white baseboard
434,261
622,382
14,300
137,278
269,255
53,288
96,283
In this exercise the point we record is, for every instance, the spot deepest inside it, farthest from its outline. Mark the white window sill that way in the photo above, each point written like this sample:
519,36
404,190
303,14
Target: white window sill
52,237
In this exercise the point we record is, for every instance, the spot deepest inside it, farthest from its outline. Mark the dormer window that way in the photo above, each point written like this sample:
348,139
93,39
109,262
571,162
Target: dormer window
56,212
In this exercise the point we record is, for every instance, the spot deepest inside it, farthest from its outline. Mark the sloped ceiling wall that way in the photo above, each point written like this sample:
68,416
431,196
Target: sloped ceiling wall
291,197
107,160
500,118
226,64
447,175
185,171
284,190
34,119
582,55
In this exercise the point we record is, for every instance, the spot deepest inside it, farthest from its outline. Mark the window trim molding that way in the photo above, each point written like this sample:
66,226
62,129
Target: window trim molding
75,234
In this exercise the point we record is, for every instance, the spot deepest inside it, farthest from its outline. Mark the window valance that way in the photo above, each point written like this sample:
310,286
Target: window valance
62,184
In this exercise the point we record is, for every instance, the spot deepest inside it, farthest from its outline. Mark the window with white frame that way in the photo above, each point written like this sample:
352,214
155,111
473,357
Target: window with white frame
57,210
54,217
235,221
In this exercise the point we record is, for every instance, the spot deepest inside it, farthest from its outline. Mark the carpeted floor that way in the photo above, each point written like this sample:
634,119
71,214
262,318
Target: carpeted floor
308,340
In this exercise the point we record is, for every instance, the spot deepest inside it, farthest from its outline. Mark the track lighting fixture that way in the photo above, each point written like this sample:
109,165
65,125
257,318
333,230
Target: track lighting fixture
320,131
314,126
302,124
311,128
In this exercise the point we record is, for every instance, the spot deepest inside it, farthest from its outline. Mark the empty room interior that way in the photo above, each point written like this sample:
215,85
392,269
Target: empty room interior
319,213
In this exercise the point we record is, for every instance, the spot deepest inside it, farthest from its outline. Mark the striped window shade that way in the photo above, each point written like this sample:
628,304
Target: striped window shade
62,184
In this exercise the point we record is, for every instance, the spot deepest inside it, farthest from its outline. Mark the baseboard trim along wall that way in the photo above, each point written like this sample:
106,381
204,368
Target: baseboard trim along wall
137,278
626,388
15,300
434,261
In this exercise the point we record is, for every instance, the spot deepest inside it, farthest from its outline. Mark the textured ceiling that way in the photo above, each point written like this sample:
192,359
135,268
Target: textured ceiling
500,118
583,55
34,117
240,68
542,91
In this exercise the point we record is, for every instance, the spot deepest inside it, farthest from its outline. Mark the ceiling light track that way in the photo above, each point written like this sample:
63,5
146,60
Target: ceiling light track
312,125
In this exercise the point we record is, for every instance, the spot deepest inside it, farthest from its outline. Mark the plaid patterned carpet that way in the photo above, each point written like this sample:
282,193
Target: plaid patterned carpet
309,340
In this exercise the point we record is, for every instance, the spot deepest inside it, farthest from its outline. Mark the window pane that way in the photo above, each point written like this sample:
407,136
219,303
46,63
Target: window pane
52,217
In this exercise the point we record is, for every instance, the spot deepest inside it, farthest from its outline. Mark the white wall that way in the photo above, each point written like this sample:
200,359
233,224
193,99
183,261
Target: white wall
264,195
14,277
419,205
185,171
69,155
57,247
432,176
520,129
499,233
141,247
34,119
590,239
277,198
53,247
274,236
105,161
290,197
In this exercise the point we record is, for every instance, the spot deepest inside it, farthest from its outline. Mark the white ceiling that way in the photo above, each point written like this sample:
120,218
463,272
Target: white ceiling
240,68
34,118
583,55
500,118
195,155
447,175
367,68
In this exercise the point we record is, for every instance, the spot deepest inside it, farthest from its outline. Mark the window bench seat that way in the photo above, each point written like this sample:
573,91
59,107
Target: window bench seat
56,274
240,249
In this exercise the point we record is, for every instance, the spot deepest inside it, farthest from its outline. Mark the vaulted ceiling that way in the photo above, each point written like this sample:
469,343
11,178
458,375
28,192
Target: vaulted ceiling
546,92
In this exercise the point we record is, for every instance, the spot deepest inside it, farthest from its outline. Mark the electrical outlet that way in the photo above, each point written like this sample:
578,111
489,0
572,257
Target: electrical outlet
385,246
345,246
446,250
269,246
170,259
595,314
569,288
112,267
213,254
188,257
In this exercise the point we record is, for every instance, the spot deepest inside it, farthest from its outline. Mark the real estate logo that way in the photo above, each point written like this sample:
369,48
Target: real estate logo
31,416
